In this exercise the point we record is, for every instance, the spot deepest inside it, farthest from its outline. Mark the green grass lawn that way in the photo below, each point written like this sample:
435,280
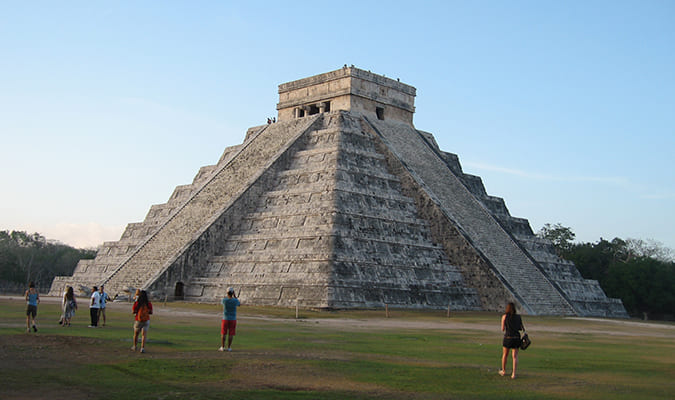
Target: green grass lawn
323,355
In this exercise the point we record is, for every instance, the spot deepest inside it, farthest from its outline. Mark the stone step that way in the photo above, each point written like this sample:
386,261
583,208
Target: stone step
180,229
323,172
345,224
386,199
475,220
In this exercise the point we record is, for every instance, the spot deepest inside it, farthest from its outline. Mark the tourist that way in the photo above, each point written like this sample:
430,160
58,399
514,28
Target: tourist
104,299
68,305
32,300
511,325
142,308
228,326
94,306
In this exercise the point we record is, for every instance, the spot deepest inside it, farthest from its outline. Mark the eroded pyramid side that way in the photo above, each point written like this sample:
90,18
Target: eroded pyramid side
334,231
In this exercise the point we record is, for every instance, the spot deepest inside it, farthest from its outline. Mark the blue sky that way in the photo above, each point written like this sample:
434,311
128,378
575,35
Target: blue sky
565,109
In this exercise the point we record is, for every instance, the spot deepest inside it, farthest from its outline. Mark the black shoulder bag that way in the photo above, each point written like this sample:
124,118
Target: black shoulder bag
525,341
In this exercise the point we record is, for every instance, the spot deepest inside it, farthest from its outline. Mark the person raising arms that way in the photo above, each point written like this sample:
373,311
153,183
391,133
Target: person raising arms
228,325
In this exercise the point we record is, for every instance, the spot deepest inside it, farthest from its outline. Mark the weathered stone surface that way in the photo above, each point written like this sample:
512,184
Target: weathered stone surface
342,203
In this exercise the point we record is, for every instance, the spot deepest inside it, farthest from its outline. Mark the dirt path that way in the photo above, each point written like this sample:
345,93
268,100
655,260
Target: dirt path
595,325
592,326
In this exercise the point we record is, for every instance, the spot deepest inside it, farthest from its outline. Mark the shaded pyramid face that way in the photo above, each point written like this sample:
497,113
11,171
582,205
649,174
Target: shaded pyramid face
333,230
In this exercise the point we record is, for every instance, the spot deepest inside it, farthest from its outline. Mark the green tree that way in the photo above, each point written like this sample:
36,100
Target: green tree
25,249
31,257
645,285
593,260
9,264
561,236
647,248
632,270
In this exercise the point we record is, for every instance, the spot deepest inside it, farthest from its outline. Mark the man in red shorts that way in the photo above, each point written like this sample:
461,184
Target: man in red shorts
228,326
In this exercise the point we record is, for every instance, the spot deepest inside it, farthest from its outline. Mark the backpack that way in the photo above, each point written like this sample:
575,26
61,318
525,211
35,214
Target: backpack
143,313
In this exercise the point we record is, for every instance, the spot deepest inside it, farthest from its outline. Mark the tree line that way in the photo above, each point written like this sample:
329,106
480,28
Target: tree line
28,258
639,272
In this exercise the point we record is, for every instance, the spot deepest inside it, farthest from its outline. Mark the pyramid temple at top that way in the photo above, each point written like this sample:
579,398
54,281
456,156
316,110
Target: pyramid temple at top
341,203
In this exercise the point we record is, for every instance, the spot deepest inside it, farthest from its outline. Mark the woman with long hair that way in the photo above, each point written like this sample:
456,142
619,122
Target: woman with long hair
142,308
511,325
68,305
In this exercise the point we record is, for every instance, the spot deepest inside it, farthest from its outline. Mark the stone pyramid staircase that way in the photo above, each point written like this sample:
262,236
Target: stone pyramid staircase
112,257
334,231
585,295
209,200
507,261
338,210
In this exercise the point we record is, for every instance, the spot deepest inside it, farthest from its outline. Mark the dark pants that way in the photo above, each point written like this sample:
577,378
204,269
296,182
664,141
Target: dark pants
93,312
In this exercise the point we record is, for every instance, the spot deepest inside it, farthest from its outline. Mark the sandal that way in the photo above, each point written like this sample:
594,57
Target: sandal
501,372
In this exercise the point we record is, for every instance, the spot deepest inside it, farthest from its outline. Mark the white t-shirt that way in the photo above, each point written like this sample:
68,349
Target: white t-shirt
96,300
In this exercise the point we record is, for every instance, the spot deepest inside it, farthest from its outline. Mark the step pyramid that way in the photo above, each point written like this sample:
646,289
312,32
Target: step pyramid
342,203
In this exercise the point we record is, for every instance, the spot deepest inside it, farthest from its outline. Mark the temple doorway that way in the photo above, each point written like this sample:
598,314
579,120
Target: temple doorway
179,292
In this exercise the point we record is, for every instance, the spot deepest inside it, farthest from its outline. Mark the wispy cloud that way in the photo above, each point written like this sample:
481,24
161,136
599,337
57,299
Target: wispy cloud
617,181
661,196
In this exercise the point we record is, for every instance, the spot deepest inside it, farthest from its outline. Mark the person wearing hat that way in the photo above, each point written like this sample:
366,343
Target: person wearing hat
228,326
